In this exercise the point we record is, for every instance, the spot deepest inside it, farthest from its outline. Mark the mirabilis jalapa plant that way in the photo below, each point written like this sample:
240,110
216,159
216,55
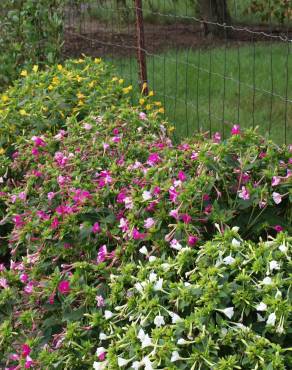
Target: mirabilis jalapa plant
98,208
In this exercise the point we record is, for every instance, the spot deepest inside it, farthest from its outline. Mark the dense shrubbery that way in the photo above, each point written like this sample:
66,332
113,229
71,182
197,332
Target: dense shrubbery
121,241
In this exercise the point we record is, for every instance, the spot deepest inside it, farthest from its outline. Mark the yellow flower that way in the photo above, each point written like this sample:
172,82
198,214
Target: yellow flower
4,98
126,90
91,84
158,103
121,81
115,79
35,68
60,67
22,112
97,60
80,103
78,78
56,80
80,60
161,110
148,106
2,151
171,128
151,93
23,73
50,87
144,87
141,101
45,109
80,96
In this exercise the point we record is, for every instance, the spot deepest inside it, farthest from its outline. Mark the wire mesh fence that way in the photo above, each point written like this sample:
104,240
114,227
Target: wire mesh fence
209,71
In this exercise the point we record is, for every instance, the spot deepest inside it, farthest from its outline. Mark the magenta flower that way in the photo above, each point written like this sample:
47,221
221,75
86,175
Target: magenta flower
244,193
153,159
29,288
28,362
173,194
23,278
102,254
51,195
81,195
55,223
116,131
194,156
96,228
137,235
64,287
182,176
186,218
38,141
36,173
174,213
192,240
262,155
278,228
35,152
26,350
124,225
61,159
64,210
235,130
17,219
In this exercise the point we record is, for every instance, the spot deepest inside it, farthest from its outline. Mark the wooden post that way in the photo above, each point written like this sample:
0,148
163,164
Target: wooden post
141,48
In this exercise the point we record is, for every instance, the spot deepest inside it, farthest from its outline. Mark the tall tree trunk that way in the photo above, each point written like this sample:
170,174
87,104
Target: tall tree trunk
215,14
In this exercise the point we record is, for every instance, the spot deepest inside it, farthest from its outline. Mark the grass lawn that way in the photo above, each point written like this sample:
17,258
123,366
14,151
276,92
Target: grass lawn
196,96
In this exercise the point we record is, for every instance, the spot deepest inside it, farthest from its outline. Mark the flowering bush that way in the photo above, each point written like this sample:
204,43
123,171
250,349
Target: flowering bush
122,249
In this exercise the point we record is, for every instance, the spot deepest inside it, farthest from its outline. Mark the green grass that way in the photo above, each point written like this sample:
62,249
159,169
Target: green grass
197,99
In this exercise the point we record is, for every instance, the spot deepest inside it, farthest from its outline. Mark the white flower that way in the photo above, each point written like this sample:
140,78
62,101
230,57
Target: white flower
229,260
108,314
260,318
261,307
267,281
122,361
277,197
274,265
100,350
271,319
152,258
235,242
152,277
136,365
158,284
159,321
146,195
187,284
229,312
175,245
174,317
147,363
174,356
146,342
165,266
278,294
235,229
139,287
283,248
102,365
141,334
102,336
143,250
182,341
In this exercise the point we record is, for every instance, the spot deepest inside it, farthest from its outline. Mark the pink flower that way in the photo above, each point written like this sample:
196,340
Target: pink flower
51,195
42,215
245,177
101,356
124,225
175,245
149,222
278,228
208,209
192,240
142,116
17,219
102,253
262,155
36,173
38,141
244,193
81,195
3,283
100,301
87,126
262,204
105,146
116,131
64,287
235,130
194,156
186,218
28,362
174,213
60,135
26,350
156,190
96,228
121,196
153,159
35,152
173,194
276,180
61,159
206,197
277,197
64,210
217,137
52,298
23,278
137,235
182,176
55,223
29,288
116,139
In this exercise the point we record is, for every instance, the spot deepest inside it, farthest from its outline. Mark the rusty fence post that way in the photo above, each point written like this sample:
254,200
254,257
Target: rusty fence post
142,66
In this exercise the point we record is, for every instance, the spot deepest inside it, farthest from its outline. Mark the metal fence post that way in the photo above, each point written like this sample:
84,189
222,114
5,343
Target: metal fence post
142,66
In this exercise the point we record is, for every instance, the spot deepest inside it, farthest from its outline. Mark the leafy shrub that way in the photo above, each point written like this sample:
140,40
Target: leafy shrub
93,209
31,33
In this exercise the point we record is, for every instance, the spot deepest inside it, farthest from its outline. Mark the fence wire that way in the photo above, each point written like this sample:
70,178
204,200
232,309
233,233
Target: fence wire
208,74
